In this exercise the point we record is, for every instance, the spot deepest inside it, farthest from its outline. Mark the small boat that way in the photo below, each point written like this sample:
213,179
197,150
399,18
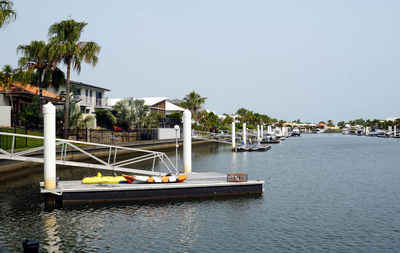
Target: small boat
99,179
155,179
253,148
296,131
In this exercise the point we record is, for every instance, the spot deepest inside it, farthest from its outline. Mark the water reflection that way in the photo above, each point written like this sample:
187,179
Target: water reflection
51,228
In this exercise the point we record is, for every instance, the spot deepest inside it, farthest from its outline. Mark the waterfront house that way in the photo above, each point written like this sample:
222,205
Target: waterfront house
90,98
22,95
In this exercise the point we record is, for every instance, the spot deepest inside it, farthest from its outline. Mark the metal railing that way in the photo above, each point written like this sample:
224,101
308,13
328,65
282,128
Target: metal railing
111,164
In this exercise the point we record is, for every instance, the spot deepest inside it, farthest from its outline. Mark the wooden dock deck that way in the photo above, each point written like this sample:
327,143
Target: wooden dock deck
196,185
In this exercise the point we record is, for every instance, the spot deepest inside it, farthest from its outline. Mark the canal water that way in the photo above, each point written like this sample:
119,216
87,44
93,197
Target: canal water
323,193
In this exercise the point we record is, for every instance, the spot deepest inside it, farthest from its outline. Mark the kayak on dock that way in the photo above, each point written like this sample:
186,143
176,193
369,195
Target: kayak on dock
99,179
155,179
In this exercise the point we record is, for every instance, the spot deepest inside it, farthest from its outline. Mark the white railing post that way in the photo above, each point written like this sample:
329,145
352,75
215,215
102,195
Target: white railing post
233,135
187,141
49,129
244,134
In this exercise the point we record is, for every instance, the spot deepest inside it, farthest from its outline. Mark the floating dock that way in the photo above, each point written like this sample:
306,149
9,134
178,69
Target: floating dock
196,185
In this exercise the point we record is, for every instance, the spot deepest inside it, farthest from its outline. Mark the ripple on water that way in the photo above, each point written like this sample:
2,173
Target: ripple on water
322,193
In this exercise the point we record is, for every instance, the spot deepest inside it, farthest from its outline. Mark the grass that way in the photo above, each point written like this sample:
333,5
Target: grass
20,142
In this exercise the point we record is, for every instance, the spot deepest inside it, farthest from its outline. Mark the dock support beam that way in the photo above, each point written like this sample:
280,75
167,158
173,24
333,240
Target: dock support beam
394,131
49,128
244,133
187,141
233,135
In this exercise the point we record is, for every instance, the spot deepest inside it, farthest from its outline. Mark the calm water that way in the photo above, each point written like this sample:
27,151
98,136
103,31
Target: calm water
323,193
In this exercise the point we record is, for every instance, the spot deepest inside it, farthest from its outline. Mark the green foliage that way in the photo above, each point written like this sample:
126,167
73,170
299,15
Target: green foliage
193,102
131,113
7,14
207,121
330,123
30,115
341,124
65,47
105,119
176,116
75,116
37,65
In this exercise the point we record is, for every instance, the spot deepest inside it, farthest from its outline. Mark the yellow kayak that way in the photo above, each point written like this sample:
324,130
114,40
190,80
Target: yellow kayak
99,179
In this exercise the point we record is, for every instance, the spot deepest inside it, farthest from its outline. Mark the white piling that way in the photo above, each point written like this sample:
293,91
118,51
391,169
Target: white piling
244,133
258,133
233,135
394,131
187,141
49,129
366,130
262,132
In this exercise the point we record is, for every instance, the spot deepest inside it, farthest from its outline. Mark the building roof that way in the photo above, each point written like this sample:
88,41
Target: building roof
29,89
87,85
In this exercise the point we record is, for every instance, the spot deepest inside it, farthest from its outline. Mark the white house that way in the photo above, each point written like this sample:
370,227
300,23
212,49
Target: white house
90,98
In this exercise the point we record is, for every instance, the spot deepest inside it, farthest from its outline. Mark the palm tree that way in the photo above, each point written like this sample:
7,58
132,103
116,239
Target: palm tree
66,48
7,14
37,65
193,102
8,76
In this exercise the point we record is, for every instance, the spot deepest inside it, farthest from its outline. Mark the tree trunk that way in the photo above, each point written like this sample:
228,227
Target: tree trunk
66,107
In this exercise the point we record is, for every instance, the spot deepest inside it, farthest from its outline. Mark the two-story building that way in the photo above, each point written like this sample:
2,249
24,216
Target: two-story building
90,98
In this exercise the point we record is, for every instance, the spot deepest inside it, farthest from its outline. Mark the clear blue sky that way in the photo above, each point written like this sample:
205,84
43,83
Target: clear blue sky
310,59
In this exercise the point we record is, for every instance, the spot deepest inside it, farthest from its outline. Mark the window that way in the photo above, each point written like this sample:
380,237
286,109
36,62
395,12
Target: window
90,93
76,91
87,93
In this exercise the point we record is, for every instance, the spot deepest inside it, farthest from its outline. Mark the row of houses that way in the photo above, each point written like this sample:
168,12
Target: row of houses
91,98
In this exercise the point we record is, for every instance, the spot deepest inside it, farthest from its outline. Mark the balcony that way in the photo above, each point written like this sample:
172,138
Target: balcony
102,103
83,100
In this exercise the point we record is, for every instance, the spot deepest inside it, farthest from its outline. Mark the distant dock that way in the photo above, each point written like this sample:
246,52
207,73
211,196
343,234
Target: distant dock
197,185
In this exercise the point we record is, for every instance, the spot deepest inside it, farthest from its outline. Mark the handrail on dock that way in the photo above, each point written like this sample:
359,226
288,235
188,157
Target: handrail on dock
111,164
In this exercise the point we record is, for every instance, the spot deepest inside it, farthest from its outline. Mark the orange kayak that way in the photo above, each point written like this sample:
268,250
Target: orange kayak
156,179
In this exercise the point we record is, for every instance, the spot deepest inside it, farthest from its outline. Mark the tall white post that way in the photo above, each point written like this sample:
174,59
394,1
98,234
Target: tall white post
258,133
233,135
262,132
394,131
49,129
244,133
187,141
269,131
366,130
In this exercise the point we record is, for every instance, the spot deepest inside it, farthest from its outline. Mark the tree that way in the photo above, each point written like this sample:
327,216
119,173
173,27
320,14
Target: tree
36,63
66,48
330,123
341,124
7,14
132,113
106,119
30,115
193,102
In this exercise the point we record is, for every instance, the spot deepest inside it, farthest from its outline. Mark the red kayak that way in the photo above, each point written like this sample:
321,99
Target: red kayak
155,179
